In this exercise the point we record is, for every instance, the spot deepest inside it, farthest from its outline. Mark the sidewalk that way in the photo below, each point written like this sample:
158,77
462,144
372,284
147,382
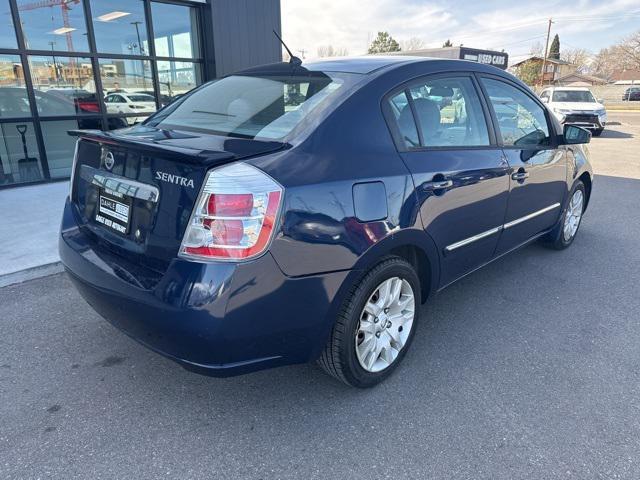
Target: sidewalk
29,225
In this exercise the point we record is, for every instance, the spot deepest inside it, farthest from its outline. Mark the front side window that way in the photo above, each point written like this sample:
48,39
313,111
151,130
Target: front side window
573,96
521,119
447,113
253,106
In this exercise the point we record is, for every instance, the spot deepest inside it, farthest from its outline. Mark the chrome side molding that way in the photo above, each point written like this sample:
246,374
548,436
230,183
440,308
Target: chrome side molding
475,238
517,221
495,230
118,184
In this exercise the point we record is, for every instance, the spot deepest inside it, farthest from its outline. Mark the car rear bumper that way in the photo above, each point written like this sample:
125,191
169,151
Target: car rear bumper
218,319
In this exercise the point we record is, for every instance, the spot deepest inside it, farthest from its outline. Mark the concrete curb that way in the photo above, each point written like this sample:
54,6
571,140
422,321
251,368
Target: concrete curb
30,274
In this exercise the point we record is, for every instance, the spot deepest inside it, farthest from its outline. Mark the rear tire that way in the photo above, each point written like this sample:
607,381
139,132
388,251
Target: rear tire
370,337
564,233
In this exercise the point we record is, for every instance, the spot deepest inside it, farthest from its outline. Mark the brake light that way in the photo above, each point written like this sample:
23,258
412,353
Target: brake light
235,215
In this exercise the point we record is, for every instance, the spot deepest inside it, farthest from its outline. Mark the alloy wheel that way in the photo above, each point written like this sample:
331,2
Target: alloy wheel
385,324
573,215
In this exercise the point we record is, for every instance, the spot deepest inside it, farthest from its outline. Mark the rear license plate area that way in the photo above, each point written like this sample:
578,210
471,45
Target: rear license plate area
114,211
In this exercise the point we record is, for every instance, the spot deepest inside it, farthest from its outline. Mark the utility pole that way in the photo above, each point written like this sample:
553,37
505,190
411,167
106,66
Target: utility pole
546,52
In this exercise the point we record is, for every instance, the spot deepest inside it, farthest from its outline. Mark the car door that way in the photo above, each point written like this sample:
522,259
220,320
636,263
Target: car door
537,165
445,137
109,103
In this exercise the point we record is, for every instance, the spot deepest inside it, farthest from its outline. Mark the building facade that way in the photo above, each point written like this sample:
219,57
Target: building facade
553,69
107,64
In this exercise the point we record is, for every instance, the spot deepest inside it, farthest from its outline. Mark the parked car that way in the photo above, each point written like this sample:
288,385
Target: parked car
127,103
233,232
14,103
576,106
83,100
631,94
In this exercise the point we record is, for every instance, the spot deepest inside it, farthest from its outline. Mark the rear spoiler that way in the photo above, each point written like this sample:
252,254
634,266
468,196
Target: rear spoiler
229,148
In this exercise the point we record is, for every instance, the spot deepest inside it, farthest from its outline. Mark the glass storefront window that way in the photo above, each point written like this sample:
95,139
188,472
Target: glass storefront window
19,158
176,79
13,94
53,25
7,32
120,26
60,146
34,121
63,85
128,88
175,28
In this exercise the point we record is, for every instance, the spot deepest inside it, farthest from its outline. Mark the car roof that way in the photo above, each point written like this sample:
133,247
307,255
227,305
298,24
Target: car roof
578,89
363,64
366,64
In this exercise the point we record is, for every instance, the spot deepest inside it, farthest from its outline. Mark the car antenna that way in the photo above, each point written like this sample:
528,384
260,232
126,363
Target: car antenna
293,60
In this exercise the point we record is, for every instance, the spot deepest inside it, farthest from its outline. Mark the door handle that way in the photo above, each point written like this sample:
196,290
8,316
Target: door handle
438,185
520,176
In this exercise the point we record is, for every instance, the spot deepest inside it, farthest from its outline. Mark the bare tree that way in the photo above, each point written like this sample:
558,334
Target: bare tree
414,43
630,47
579,57
331,51
537,50
610,59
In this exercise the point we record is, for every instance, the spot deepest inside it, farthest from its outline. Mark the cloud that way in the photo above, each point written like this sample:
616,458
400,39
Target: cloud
352,24
498,24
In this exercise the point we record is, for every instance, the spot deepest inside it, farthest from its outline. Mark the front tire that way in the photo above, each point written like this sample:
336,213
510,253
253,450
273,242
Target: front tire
598,132
375,326
563,235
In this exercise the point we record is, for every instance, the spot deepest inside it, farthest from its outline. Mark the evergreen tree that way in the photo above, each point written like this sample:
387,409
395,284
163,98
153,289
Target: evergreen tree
447,44
384,43
554,50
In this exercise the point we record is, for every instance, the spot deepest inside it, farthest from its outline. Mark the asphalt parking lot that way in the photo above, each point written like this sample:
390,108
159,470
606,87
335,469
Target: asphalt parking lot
529,368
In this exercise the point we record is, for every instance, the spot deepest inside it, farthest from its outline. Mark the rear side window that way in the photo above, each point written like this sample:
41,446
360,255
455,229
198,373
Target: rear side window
253,106
447,114
521,119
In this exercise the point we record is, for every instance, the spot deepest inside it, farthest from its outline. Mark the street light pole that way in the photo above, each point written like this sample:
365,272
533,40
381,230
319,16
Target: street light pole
55,66
141,50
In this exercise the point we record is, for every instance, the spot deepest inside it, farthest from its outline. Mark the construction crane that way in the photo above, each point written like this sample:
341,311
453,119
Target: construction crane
65,5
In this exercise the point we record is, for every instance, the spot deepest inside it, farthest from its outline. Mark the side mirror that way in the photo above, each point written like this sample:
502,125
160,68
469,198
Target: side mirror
574,135
544,99
601,100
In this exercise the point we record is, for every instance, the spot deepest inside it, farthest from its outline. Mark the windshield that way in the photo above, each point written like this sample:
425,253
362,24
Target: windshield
253,106
141,98
573,96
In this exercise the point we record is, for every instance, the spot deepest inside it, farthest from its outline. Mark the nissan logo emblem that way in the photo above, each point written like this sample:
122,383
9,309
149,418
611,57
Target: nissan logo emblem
109,161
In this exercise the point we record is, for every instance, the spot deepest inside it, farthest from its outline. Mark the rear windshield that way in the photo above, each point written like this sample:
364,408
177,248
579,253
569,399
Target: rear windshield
267,107
573,96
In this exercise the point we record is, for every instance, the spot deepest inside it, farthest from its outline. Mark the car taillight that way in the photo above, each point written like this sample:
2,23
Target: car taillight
235,215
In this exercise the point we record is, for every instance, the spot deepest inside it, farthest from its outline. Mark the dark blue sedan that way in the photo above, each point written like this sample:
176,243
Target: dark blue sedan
292,213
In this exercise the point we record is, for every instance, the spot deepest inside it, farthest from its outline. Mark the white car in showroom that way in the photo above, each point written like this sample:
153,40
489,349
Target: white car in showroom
576,106
123,102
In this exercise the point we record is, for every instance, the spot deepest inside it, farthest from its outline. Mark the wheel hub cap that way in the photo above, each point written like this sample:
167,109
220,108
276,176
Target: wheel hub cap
385,324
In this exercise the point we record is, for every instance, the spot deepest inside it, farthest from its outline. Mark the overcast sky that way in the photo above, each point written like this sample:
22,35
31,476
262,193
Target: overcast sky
494,24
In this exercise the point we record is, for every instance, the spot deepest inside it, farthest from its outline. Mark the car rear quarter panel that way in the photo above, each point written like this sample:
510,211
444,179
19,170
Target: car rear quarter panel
320,231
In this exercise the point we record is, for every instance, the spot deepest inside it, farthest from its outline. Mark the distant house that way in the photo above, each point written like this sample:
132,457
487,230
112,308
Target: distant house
576,79
626,77
553,70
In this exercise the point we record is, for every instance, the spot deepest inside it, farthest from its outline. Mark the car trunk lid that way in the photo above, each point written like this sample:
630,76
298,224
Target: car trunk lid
134,190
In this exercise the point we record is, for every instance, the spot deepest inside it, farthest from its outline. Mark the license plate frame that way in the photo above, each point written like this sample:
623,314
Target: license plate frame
113,211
